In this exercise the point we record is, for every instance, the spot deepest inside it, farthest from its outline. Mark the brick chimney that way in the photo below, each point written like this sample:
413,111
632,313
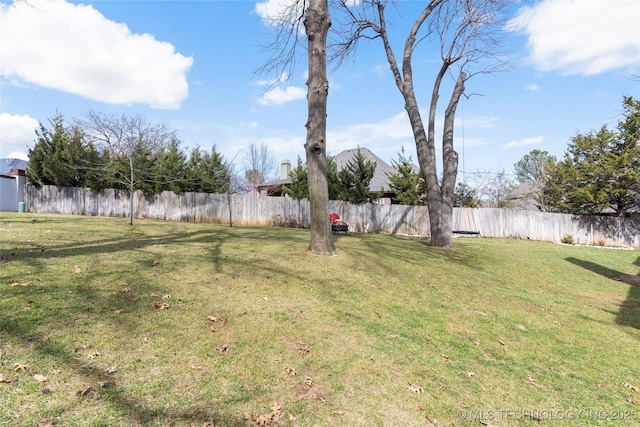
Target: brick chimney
285,169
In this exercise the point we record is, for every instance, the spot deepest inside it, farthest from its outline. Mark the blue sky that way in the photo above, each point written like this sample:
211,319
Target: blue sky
191,65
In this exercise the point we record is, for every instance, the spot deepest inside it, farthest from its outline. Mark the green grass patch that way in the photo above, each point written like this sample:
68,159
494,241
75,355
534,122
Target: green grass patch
162,323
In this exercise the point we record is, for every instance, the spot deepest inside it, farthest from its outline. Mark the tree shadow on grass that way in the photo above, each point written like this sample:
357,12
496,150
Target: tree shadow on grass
629,312
101,385
75,303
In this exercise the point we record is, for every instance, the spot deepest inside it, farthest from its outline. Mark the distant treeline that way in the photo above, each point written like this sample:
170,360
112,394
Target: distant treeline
122,153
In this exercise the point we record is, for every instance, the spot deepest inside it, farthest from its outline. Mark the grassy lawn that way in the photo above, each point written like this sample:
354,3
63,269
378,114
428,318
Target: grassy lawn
172,324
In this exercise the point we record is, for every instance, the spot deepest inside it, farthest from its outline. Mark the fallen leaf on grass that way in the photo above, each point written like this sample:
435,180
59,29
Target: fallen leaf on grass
156,262
76,269
4,380
214,319
223,349
111,369
533,381
414,387
632,387
167,296
126,290
309,381
93,355
337,412
270,418
303,350
82,347
471,374
433,421
47,423
84,391
39,378
13,283
290,371
19,367
120,311
161,305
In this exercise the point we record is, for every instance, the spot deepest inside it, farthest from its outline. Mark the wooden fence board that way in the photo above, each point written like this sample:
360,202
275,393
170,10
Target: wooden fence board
283,211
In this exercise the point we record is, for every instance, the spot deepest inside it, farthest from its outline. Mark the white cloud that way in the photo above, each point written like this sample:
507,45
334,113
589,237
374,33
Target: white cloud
18,133
524,142
582,37
276,13
371,135
284,146
476,122
531,88
251,124
74,48
386,137
278,96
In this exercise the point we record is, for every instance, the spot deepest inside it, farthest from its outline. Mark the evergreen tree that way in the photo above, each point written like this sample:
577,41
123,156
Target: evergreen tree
600,170
407,184
214,173
61,156
355,178
171,168
143,160
207,172
299,188
37,159
333,179
465,197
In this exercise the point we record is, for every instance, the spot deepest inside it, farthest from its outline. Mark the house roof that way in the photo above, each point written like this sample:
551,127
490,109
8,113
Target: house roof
380,181
7,164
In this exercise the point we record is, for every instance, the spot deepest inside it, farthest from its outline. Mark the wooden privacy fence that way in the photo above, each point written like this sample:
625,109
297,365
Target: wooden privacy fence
374,218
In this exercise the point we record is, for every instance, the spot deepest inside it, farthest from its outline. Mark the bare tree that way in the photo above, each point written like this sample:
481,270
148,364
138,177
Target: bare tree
533,171
122,135
233,185
467,32
494,189
259,166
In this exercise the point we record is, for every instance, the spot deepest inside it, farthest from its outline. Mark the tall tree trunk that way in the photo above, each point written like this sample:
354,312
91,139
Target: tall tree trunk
317,23
439,196
442,237
230,212
131,191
